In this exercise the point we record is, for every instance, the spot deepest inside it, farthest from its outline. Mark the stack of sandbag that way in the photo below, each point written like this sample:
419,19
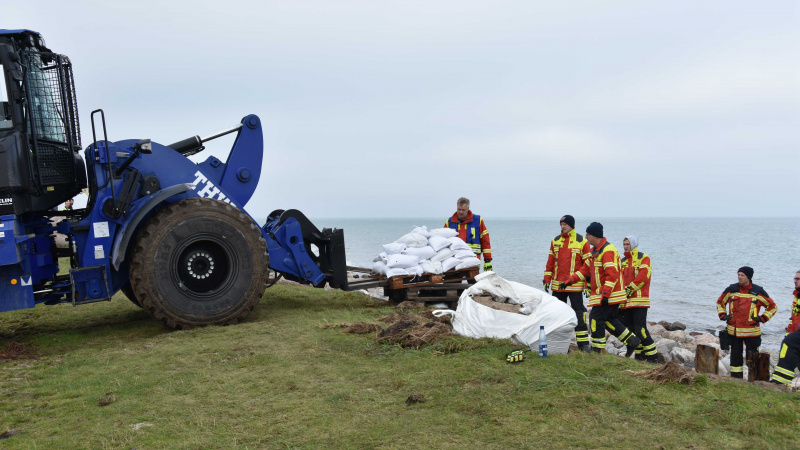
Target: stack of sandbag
424,251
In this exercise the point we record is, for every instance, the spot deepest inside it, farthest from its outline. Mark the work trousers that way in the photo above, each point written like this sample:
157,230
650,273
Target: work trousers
737,345
602,317
635,319
789,359
576,301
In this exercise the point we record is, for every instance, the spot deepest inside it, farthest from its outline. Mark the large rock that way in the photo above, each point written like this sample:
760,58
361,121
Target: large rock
677,336
678,326
706,339
656,330
682,356
664,347
667,326
616,343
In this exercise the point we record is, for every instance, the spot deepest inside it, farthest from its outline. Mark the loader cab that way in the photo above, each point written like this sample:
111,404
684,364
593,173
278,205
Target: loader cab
40,166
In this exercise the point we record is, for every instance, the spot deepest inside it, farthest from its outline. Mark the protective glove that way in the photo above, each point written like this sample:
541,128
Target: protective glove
725,317
563,285
604,301
762,318
629,291
487,265
587,292
546,286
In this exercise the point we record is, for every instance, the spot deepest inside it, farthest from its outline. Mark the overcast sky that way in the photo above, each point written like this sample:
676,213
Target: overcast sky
397,108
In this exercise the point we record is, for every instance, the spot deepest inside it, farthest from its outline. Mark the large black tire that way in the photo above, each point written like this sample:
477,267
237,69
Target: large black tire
199,262
128,291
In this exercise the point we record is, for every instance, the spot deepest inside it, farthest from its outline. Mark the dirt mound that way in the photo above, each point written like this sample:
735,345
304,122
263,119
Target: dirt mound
409,305
671,372
19,350
409,330
362,328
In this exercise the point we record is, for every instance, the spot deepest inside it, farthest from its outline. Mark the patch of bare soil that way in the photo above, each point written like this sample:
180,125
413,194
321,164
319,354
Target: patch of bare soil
19,350
671,372
409,330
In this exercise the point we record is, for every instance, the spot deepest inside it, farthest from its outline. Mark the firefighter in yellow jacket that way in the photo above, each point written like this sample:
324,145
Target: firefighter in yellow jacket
607,291
636,272
739,306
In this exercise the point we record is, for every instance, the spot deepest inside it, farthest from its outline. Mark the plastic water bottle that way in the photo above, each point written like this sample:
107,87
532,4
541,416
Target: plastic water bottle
542,342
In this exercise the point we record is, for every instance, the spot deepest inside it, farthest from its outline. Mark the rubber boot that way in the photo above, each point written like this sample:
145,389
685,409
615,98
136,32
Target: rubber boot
585,348
651,359
737,375
631,344
639,357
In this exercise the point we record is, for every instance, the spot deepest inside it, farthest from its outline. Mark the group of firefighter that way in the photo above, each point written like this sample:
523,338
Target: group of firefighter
618,289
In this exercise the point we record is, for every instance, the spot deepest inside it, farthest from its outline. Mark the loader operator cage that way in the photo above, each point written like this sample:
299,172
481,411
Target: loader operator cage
51,116
6,120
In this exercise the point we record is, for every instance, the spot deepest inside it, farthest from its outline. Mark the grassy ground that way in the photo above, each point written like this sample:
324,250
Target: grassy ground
282,380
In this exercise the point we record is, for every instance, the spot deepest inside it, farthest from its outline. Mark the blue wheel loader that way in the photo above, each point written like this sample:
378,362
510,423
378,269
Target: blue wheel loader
170,233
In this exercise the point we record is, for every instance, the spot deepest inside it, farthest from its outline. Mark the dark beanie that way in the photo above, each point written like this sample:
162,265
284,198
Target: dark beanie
747,271
595,229
569,220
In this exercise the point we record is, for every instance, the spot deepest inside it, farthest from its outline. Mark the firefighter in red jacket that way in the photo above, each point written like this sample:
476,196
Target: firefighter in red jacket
636,272
744,301
790,347
472,230
568,253
607,292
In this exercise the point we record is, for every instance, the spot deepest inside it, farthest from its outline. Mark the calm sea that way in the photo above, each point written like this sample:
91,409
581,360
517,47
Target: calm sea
693,259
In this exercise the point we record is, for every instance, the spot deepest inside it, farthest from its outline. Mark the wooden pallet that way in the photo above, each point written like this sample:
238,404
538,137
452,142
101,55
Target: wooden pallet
428,279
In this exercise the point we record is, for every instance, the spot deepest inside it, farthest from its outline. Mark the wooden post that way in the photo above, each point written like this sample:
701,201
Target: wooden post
706,359
758,367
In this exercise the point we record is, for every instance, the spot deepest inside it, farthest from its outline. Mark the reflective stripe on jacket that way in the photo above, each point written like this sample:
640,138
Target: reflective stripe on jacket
472,231
744,304
568,253
606,276
794,320
636,272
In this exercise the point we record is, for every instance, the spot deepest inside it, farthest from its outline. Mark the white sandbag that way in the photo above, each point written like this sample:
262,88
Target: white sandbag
475,320
382,256
403,261
416,270
423,230
442,254
420,252
468,263
449,263
457,244
433,267
396,272
394,248
444,232
464,254
438,242
413,240
379,267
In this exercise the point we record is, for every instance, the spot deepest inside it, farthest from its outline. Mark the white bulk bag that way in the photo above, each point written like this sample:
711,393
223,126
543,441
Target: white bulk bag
443,232
457,244
438,242
468,263
394,248
472,319
382,256
403,261
422,253
413,240
449,263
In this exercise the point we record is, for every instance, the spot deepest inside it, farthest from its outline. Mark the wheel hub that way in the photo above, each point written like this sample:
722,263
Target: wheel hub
200,265
203,266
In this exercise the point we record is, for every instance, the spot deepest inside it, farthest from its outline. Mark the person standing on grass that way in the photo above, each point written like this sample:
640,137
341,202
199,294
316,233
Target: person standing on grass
568,253
636,272
472,230
790,347
607,292
739,306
